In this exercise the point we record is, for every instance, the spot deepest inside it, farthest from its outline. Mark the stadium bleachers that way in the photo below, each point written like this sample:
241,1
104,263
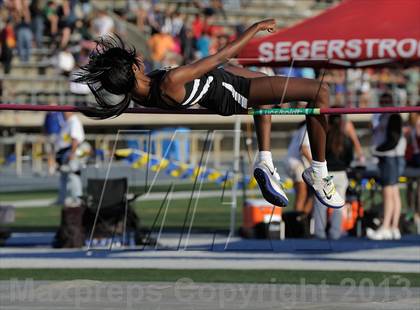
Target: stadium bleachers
40,82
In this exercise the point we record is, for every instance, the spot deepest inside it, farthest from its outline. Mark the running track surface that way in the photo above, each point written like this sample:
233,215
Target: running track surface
204,251
185,295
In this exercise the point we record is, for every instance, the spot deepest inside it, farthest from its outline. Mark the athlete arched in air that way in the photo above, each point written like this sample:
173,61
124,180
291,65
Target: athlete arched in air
115,74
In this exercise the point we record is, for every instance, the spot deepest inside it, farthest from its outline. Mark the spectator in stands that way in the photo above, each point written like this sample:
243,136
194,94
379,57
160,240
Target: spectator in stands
412,156
298,159
141,10
389,146
203,45
71,137
53,123
197,26
209,26
82,29
24,33
37,21
339,155
86,7
178,21
412,133
413,85
67,19
187,44
102,24
50,13
8,43
156,18
160,44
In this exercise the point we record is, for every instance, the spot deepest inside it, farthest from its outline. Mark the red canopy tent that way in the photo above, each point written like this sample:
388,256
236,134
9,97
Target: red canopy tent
354,33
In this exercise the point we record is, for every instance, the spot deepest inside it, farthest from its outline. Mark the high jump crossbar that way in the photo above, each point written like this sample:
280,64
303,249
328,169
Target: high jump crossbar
275,111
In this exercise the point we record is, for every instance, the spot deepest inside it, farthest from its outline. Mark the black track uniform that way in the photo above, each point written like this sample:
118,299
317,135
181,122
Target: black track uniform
217,90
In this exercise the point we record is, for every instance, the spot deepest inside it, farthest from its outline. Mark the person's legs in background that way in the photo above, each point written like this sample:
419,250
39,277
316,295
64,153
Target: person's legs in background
320,211
62,191
319,214
20,43
294,169
38,30
6,58
390,169
341,182
395,222
74,189
301,194
24,43
388,203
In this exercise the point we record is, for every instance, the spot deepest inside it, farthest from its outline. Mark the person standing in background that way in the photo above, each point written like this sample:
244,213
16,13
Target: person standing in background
298,159
37,21
50,15
71,137
53,123
102,24
160,44
339,155
412,156
389,146
24,33
8,43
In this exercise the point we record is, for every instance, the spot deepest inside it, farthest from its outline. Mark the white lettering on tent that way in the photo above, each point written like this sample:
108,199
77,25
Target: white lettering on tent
351,49
335,49
318,49
300,49
354,48
369,46
266,51
407,53
282,51
387,48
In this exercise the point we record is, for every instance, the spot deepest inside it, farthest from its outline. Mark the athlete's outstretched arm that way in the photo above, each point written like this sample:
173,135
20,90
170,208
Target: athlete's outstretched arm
187,73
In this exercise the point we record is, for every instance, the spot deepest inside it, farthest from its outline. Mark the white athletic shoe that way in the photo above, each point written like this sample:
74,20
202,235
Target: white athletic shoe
379,234
324,189
396,234
269,182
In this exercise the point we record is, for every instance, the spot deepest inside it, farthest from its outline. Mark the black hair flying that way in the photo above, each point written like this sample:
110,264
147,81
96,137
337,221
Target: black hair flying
110,76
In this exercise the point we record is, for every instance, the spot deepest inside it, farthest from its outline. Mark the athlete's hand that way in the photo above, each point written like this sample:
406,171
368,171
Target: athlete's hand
267,25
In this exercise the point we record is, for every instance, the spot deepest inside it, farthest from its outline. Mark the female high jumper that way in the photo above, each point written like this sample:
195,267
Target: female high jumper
115,74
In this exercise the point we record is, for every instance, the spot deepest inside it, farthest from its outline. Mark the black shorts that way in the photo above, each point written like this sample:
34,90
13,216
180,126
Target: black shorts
229,94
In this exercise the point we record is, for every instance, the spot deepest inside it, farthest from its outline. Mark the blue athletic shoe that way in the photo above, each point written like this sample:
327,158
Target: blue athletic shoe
269,182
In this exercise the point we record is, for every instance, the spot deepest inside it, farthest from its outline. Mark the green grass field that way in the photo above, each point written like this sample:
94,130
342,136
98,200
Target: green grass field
211,213
218,276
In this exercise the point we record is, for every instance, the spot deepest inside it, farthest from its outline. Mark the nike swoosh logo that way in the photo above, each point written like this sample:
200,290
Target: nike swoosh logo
272,172
326,195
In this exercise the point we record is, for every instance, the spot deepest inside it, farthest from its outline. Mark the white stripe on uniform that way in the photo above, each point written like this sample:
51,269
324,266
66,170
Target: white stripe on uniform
194,90
237,96
204,90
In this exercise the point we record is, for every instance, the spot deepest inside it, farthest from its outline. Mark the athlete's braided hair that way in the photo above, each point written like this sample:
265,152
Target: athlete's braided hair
110,76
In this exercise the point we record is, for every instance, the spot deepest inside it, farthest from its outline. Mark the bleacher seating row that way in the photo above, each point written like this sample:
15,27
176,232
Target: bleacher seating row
38,79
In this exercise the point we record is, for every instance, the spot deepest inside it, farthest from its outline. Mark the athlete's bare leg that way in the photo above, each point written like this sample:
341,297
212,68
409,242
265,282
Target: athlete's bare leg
271,90
275,90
